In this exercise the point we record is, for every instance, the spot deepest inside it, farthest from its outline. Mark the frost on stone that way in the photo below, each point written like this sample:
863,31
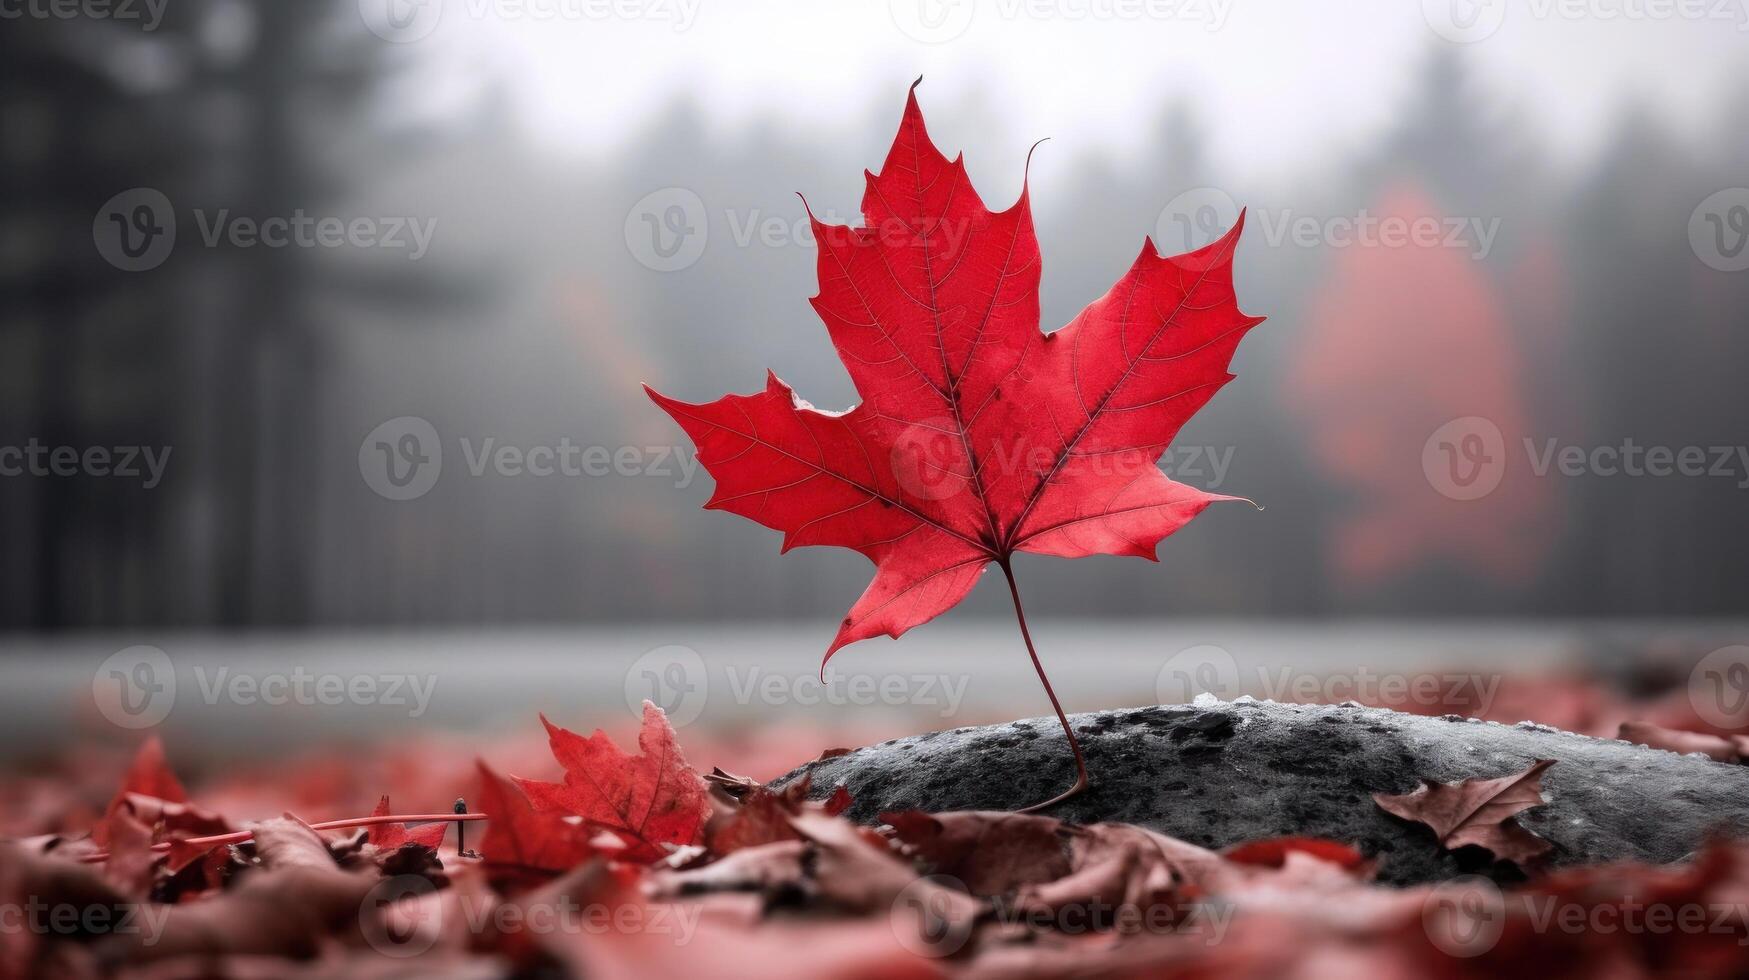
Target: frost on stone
1205,700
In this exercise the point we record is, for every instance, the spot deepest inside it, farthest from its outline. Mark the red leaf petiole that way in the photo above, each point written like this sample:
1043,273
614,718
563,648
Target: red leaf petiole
237,837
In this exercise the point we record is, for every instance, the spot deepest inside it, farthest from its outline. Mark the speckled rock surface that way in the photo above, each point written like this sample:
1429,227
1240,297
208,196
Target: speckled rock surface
1217,773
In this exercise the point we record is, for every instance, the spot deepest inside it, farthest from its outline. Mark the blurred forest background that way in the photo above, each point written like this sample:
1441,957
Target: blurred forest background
1590,320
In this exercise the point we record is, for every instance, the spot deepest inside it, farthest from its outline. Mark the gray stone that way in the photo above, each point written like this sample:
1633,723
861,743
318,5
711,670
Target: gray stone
1220,773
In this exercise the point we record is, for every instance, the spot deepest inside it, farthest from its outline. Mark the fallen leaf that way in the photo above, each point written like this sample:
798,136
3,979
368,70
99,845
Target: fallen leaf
1115,865
991,852
1274,852
150,774
652,801
839,800
149,790
1478,811
388,836
1733,748
521,843
285,907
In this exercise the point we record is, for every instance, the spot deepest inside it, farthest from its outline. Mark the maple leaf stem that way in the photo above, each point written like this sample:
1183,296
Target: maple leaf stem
1081,780
239,836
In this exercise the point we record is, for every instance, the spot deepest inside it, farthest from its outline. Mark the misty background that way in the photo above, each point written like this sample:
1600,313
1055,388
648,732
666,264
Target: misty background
1577,303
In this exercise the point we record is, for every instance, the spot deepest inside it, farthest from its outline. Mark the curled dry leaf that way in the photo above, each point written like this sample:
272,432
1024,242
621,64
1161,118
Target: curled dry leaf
284,908
1724,748
131,863
1115,865
1478,811
831,864
760,815
992,853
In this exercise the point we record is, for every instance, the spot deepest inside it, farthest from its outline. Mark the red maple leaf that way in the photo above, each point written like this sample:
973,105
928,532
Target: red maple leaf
389,836
649,800
978,436
522,842
152,796
1273,852
1478,811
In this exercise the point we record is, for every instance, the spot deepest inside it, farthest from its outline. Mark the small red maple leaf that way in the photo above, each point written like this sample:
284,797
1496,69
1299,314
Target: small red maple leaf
978,436
651,801
523,842
389,836
1478,811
